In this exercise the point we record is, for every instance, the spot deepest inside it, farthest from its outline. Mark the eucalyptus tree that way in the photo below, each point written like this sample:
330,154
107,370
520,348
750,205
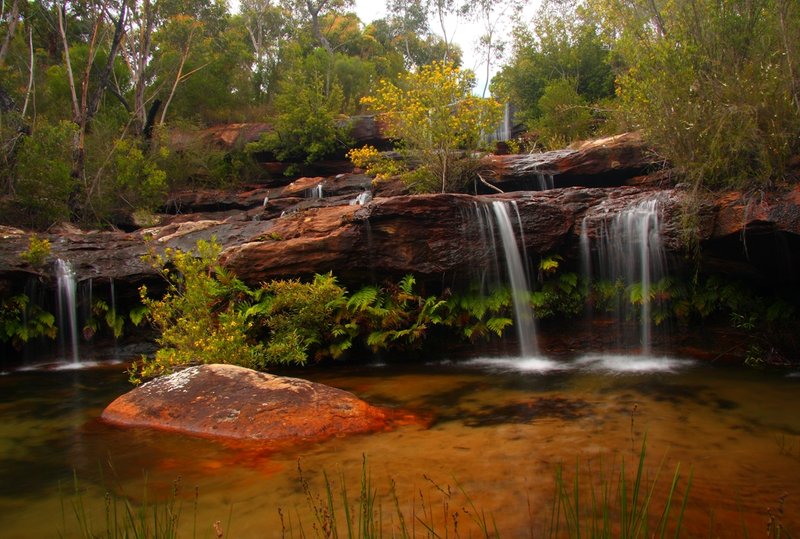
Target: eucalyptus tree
313,13
268,28
103,17
11,18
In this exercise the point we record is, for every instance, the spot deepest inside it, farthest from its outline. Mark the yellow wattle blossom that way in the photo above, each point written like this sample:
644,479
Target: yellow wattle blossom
434,115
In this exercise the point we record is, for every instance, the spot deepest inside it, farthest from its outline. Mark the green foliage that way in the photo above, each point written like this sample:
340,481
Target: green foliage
300,317
713,84
21,321
189,160
135,176
306,128
37,252
44,182
560,73
435,116
102,315
559,296
125,519
616,505
478,315
201,317
395,316
565,115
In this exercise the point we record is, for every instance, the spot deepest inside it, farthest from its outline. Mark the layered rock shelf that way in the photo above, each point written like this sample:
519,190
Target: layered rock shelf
424,234
366,231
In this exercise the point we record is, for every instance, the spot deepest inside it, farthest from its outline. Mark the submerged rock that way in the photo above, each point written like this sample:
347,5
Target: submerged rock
230,402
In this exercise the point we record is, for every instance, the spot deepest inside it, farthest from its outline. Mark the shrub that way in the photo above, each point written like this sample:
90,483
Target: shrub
201,318
44,183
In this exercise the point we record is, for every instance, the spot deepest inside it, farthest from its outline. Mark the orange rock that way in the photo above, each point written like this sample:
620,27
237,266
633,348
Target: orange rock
234,403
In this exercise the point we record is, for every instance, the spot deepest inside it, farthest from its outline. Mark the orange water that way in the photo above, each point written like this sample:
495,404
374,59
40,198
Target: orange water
498,434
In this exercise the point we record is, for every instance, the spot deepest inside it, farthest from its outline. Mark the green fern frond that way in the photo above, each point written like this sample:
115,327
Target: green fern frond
407,284
498,324
363,299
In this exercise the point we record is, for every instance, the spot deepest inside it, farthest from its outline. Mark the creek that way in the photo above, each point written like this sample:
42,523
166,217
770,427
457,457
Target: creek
498,429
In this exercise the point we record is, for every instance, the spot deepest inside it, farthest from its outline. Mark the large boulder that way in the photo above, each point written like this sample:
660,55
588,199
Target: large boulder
229,402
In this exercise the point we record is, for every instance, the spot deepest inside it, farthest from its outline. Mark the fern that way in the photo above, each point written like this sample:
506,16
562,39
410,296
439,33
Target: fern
407,284
550,264
363,299
498,325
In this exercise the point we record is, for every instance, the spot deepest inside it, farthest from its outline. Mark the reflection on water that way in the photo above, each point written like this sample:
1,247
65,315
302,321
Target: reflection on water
500,428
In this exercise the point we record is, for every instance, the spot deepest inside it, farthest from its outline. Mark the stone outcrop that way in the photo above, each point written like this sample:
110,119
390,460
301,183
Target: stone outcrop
752,237
229,402
428,235
607,162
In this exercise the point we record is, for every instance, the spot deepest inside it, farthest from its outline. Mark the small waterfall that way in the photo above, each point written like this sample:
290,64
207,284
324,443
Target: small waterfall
545,181
495,230
630,250
67,308
315,192
520,290
362,199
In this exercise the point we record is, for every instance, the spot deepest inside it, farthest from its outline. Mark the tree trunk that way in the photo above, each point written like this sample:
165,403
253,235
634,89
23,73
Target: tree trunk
12,26
313,12
94,102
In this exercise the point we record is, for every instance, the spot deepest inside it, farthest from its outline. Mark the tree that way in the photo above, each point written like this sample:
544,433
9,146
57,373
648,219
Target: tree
492,15
306,128
712,84
565,44
266,25
85,110
435,116
314,12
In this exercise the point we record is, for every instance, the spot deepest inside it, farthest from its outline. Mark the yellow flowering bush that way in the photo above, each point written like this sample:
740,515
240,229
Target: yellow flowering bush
437,119
374,164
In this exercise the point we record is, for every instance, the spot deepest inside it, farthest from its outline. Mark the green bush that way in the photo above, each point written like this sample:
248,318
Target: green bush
565,115
301,318
44,182
21,321
201,317
713,85
308,103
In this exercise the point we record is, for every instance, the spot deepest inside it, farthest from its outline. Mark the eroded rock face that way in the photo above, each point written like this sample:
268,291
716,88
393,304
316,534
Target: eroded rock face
607,162
391,236
229,402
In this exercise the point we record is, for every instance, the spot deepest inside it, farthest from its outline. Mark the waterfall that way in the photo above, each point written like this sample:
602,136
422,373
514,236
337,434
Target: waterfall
67,308
315,192
544,181
520,291
629,250
495,230
363,198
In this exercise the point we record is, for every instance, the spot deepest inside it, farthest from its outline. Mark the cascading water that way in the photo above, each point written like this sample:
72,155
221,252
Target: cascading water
495,230
629,249
363,198
545,181
315,192
67,308
520,291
